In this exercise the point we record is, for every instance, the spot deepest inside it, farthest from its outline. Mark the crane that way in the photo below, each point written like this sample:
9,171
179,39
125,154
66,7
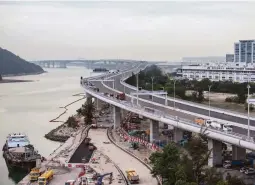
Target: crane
100,178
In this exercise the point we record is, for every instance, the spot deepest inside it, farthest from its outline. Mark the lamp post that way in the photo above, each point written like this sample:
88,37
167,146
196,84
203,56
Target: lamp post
152,78
174,93
248,106
137,87
209,87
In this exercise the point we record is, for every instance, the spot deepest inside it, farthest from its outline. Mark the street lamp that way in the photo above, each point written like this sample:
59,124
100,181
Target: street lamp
137,87
209,87
174,92
152,78
248,98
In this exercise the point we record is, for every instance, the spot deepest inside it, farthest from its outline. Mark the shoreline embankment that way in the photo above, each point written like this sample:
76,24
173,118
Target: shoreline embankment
6,80
52,134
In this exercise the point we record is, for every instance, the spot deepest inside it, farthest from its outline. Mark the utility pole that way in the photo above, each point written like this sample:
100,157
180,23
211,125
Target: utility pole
174,93
248,101
209,87
152,78
137,86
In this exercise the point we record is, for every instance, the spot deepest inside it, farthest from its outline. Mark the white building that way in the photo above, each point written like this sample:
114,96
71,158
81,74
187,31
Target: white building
237,72
237,67
245,51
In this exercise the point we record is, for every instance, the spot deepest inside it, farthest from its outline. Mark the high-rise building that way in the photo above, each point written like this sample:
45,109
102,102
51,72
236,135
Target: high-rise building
230,57
244,51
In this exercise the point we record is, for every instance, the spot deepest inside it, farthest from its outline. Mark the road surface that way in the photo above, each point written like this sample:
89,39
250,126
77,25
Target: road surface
122,159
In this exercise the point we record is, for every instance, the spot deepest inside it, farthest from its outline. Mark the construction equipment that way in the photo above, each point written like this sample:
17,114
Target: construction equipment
45,178
70,182
132,176
34,174
100,178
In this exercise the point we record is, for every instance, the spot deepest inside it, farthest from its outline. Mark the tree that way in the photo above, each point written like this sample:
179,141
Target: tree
198,151
165,163
71,122
87,110
1,77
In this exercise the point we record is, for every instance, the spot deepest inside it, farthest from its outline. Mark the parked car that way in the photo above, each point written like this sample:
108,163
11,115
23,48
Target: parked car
250,171
243,169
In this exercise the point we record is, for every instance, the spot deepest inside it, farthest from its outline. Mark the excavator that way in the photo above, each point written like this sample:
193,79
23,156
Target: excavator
100,178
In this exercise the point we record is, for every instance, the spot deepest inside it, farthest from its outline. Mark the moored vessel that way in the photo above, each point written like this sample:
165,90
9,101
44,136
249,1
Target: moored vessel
19,153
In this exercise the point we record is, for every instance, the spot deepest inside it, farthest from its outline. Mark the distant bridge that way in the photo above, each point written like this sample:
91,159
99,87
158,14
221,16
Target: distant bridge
86,63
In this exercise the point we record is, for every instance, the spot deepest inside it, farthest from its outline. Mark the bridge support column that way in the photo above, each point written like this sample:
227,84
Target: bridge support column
98,103
216,153
238,153
116,117
154,130
88,97
178,135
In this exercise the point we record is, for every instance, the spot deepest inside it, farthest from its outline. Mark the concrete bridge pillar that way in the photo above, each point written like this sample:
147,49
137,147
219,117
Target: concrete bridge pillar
154,130
88,97
238,153
216,152
116,117
178,135
99,103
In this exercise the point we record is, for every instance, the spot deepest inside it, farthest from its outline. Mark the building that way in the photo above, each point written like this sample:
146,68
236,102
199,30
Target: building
209,59
237,67
236,72
244,51
230,57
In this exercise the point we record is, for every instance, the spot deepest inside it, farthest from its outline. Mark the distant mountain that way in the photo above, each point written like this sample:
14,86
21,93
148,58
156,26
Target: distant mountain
10,64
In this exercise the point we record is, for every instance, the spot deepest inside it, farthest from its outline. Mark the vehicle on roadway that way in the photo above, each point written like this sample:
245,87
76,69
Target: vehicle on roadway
34,174
121,96
46,177
132,176
243,169
70,182
249,171
214,124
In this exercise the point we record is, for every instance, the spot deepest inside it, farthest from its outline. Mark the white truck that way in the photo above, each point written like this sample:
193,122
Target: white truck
221,126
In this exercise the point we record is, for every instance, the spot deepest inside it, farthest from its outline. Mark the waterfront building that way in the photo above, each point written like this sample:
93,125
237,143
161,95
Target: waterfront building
236,72
237,67
244,51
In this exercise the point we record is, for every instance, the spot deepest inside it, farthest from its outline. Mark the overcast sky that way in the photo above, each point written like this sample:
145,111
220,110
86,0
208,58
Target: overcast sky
126,30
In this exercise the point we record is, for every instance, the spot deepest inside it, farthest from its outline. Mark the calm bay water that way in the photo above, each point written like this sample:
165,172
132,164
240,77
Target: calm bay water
27,108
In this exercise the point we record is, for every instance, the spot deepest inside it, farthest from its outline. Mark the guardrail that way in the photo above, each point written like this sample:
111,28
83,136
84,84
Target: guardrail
185,102
183,111
233,138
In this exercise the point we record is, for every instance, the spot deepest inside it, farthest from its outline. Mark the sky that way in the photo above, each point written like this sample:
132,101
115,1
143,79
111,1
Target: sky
124,30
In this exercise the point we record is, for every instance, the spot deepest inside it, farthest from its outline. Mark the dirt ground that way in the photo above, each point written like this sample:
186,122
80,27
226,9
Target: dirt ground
218,100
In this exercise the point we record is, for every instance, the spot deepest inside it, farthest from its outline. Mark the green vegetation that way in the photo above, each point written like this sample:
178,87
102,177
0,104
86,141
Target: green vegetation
72,122
12,64
176,168
180,87
87,110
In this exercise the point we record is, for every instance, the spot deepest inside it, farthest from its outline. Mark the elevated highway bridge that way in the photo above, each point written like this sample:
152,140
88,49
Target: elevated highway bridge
181,119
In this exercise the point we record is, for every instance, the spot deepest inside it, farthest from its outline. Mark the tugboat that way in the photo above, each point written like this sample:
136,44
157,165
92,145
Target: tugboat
19,153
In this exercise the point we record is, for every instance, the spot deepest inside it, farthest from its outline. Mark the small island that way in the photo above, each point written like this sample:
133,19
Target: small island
13,65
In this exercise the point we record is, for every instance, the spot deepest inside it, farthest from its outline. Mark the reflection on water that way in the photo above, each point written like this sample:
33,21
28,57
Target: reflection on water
27,107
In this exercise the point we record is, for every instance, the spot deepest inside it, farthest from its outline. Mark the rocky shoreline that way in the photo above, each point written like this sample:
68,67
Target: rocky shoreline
63,132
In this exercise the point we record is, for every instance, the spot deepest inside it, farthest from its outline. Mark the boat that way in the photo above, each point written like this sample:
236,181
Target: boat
19,153
100,70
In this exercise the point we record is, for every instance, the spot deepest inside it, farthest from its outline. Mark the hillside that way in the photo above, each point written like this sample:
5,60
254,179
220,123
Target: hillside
10,64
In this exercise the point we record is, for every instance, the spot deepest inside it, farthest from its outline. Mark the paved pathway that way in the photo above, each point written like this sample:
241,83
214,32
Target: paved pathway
122,159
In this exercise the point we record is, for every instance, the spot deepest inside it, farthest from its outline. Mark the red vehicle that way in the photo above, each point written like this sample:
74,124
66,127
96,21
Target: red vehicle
121,96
